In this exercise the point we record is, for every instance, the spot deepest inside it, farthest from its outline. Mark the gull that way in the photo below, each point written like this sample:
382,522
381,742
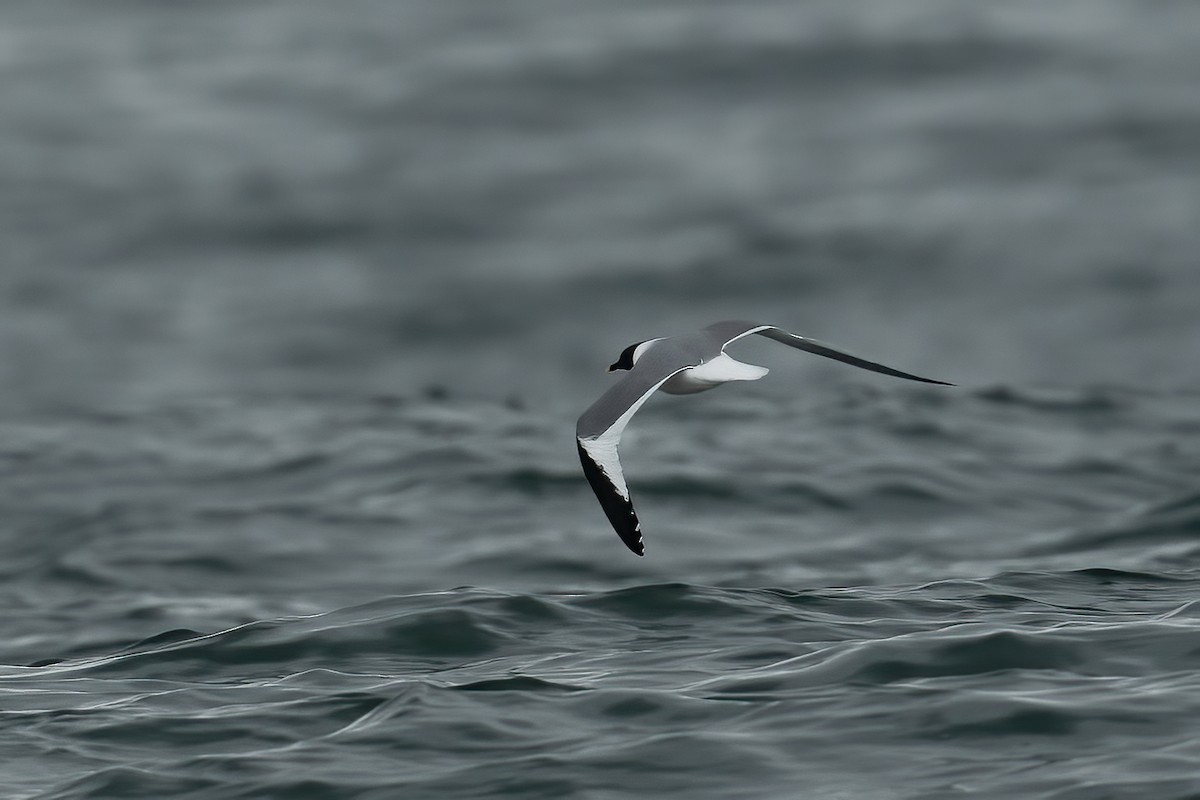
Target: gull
686,364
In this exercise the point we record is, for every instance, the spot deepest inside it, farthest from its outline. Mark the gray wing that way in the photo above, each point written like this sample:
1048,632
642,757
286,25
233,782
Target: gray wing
599,430
731,331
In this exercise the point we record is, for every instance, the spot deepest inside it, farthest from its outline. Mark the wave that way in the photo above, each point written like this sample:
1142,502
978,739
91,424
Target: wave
470,684
1175,520
471,624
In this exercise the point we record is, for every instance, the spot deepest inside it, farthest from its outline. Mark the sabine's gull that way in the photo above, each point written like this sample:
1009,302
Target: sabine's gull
693,362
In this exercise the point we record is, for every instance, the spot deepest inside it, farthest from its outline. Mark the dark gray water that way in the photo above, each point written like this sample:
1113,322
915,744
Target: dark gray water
299,303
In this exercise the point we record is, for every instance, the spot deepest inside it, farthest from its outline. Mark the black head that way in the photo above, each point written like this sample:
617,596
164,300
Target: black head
625,360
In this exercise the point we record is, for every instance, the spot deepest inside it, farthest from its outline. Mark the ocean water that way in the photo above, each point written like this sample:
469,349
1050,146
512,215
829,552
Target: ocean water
299,304
883,592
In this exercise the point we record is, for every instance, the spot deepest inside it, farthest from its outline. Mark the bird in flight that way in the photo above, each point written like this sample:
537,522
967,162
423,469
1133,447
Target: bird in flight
686,364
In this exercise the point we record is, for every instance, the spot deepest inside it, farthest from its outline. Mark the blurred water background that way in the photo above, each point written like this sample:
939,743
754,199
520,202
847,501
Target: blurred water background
299,302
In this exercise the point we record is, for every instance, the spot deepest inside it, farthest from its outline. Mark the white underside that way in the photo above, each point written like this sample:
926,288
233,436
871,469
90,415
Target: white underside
710,374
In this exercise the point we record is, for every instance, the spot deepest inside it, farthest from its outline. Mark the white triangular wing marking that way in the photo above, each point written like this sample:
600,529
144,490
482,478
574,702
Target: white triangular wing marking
602,449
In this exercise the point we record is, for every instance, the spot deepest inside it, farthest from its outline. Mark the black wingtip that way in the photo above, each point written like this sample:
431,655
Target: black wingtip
906,375
618,509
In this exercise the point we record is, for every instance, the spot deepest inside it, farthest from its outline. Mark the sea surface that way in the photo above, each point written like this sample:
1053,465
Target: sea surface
299,303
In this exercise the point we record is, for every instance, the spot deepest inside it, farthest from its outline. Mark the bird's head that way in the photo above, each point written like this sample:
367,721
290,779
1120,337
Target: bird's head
630,355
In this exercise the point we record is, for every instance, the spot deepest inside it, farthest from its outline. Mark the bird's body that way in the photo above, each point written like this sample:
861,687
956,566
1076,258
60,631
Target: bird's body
686,364
711,374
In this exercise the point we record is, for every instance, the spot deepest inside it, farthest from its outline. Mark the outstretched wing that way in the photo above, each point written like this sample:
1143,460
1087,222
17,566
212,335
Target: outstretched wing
731,331
599,430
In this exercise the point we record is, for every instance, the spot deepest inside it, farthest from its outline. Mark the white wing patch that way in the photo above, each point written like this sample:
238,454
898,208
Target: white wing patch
603,448
603,451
